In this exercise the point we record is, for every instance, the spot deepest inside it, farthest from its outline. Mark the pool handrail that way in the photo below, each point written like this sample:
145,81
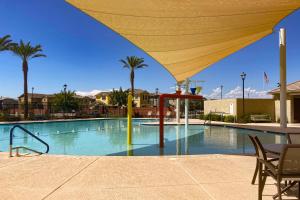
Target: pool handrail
29,133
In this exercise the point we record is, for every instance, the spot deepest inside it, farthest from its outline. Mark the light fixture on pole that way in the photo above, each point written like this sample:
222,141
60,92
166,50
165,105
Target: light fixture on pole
243,76
221,91
65,96
32,89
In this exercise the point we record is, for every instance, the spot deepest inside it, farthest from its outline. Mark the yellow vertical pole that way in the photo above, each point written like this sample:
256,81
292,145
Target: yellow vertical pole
129,119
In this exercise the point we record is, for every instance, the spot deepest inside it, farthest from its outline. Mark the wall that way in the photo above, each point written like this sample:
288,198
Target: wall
256,106
220,106
289,110
252,106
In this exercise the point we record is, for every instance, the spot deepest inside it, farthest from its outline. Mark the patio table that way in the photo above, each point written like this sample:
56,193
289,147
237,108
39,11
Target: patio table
273,148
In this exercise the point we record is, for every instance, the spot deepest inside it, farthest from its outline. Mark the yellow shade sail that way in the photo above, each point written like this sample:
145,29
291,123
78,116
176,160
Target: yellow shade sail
187,36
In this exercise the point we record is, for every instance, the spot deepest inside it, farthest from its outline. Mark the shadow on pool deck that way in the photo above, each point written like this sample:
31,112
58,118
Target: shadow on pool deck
179,147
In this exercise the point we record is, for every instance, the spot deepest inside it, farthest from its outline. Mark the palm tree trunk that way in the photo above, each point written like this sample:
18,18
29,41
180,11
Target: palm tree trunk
132,81
25,73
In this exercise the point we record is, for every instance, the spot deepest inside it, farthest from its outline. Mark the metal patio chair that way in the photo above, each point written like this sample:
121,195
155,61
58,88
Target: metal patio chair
149,114
287,169
269,157
293,138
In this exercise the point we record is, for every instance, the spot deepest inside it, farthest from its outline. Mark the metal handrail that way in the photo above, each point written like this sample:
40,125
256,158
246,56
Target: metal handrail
29,133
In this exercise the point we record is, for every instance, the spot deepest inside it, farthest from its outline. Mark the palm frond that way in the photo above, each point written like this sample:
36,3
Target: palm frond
142,66
38,55
26,51
133,62
125,64
5,43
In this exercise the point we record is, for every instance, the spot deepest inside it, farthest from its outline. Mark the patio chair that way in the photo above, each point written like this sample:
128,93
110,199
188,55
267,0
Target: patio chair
149,114
293,138
168,116
263,166
269,157
157,114
287,169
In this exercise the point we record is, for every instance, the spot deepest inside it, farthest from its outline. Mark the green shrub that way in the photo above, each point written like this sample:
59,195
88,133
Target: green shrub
245,119
202,116
229,118
212,117
6,117
216,117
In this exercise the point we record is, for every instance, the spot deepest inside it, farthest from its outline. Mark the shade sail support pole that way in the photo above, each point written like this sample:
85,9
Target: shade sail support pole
186,106
129,119
282,47
178,105
161,120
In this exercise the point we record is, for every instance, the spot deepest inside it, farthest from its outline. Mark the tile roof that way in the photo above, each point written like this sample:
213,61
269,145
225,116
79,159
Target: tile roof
291,88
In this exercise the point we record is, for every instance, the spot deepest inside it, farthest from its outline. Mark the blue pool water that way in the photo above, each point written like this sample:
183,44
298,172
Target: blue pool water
108,137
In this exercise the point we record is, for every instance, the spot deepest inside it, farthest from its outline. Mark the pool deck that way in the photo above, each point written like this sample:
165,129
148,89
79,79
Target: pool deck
201,177
269,127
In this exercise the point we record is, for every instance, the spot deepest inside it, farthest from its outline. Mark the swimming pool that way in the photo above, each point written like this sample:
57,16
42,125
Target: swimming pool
108,137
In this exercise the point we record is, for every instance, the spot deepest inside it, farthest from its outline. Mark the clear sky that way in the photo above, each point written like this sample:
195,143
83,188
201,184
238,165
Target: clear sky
84,54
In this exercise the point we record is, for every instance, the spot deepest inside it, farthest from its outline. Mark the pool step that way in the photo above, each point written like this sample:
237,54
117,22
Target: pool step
11,148
18,154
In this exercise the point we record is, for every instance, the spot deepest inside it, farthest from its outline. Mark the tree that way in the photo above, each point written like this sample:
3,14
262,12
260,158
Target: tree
26,52
65,101
132,63
5,43
118,97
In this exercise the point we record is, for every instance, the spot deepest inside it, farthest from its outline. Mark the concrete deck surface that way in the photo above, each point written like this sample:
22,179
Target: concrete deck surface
201,177
270,127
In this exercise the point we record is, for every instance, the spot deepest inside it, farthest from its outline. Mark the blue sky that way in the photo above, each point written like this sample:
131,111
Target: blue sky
85,54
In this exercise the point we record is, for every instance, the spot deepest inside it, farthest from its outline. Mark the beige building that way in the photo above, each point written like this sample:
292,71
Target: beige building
235,107
293,102
260,106
103,98
35,98
142,98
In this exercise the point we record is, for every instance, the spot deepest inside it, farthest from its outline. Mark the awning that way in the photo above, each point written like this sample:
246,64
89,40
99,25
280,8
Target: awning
187,36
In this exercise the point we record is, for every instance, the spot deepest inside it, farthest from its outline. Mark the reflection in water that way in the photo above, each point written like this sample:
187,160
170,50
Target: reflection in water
108,137
178,145
186,139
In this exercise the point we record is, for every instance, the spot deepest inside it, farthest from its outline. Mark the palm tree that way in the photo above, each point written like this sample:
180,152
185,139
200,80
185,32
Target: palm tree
26,52
5,43
132,63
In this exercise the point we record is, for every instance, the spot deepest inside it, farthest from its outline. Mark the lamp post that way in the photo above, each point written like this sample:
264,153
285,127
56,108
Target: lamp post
65,90
32,89
156,97
243,76
65,98
221,91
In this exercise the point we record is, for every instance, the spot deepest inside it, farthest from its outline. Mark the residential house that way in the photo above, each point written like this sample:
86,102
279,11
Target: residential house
103,98
37,101
8,103
141,98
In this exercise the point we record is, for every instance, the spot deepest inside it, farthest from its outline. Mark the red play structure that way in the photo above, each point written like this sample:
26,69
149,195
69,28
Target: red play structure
162,98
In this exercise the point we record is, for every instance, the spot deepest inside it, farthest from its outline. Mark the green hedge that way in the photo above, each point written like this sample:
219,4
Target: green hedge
6,118
229,118
217,117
